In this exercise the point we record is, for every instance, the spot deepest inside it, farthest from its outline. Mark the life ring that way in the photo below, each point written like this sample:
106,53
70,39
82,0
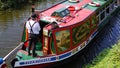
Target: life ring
74,1
96,4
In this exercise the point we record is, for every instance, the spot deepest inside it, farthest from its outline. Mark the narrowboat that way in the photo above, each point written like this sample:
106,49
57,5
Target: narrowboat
66,29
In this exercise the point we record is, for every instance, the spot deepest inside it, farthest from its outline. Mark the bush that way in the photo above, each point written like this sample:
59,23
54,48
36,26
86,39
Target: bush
5,4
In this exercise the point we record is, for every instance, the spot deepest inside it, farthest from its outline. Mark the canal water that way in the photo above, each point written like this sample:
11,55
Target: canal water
11,26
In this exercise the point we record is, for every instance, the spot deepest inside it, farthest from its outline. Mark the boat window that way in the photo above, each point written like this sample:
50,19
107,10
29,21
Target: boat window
98,16
116,3
80,33
112,6
102,16
63,40
107,9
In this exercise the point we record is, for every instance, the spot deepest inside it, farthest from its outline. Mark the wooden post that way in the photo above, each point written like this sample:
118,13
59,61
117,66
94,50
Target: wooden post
33,8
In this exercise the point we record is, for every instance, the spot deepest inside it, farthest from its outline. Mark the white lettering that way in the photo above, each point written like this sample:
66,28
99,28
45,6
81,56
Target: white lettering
38,61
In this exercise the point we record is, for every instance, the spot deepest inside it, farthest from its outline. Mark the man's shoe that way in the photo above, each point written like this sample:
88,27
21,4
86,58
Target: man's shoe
29,53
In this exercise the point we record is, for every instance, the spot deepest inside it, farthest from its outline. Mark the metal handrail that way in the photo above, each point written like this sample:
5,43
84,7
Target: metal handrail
15,50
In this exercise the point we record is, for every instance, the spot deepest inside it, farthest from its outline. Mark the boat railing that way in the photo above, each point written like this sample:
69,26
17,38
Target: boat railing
10,55
112,7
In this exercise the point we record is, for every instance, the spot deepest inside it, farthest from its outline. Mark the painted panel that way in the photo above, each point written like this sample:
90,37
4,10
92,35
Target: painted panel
94,22
63,40
80,33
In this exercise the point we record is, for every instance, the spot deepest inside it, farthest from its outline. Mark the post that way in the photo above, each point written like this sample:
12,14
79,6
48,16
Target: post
33,8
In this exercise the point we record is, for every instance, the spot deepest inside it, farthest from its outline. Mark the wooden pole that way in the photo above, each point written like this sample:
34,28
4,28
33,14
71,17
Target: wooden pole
33,8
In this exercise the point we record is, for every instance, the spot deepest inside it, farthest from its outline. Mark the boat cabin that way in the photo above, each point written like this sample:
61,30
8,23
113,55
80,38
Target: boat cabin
66,28
69,25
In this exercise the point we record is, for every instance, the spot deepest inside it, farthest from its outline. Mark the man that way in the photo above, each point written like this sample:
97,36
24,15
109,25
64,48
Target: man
33,29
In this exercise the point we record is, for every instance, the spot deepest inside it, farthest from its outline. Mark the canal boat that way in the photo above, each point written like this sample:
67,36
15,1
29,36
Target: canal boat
66,29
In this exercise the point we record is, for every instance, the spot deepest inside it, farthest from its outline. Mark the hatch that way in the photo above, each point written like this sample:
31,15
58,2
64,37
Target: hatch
62,12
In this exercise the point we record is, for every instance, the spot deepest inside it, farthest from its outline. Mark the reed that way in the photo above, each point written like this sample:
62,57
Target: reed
6,4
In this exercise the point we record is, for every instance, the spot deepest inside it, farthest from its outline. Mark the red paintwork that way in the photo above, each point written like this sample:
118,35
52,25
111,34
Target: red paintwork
79,15
51,10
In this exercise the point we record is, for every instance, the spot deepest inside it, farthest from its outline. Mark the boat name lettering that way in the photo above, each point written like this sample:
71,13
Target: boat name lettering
35,61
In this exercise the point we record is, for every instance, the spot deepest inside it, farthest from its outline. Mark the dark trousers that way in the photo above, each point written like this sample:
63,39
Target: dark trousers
32,43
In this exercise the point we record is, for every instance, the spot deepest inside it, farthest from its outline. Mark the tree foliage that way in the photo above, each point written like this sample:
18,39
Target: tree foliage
5,4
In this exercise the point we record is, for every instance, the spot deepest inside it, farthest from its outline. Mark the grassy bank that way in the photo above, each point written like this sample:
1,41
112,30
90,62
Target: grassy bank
109,58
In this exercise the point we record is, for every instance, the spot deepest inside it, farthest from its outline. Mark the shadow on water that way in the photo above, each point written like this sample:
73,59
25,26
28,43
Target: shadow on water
107,37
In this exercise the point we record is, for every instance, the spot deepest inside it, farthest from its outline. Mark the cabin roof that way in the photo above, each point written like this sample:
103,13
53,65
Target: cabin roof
78,16
62,12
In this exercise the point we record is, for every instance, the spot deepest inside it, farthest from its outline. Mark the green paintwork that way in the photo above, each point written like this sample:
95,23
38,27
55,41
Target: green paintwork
53,47
101,2
93,7
39,46
26,56
24,35
62,12
70,3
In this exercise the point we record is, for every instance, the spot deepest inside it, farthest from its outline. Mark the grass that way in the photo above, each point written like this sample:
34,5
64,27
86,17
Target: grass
109,58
